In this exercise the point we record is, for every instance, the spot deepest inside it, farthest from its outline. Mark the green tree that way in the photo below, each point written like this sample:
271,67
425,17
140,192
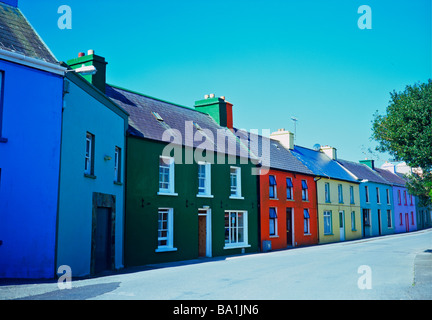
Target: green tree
405,132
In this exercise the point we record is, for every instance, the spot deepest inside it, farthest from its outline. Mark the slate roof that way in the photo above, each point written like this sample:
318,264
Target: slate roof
362,171
321,165
18,36
390,177
201,128
278,158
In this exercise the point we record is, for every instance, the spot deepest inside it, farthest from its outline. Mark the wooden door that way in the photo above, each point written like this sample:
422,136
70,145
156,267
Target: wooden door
289,226
103,240
202,235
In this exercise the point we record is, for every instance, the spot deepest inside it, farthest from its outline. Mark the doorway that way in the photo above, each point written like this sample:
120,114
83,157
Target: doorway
342,225
102,253
204,233
379,222
289,227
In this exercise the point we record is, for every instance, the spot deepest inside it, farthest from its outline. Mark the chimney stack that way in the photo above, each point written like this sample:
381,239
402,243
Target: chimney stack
91,59
329,151
286,138
218,108
369,163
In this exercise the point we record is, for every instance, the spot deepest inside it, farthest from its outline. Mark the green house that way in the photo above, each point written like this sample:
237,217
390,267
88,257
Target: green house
190,185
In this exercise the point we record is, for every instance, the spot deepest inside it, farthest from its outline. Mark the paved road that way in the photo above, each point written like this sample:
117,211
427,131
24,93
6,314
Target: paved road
397,267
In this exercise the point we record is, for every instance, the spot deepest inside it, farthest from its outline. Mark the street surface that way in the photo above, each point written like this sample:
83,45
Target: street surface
389,267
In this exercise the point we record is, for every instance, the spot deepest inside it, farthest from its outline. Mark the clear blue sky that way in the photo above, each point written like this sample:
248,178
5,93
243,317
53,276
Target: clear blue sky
272,59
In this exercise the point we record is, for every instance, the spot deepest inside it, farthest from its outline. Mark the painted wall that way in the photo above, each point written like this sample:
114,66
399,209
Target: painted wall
29,163
379,225
405,213
335,207
279,241
84,113
142,203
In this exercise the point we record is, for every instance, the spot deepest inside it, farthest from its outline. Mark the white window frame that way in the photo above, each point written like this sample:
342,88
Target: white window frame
206,193
353,221
378,195
327,198
117,165
170,190
274,187
340,193
327,215
389,219
89,156
367,194
388,195
237,187
306,223
170,231
305,193
275,221
352,200
290,190
244,243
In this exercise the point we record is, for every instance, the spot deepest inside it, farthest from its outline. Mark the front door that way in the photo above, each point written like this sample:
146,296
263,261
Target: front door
289,226
342,225
103,240
202,235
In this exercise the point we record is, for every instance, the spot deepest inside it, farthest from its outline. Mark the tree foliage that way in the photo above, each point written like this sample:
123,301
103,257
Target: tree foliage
405,132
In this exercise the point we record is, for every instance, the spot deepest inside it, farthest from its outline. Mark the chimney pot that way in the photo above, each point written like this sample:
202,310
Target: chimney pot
212,95
206,96
223,97
81,54
90,52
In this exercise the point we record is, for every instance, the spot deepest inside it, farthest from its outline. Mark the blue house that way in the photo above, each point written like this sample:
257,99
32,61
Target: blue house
31,82
376,198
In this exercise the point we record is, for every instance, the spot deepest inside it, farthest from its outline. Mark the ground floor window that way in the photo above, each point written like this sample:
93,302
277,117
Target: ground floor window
327,222
353,227
366,217
389,219
165,229
306,217
273,221
235,228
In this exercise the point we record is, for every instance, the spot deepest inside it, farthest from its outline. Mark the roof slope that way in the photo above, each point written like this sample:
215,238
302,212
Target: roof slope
189,126
278,157
362,171
321,165
18,36
390,177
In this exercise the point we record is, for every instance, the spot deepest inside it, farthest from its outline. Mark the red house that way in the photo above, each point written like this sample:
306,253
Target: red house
288,204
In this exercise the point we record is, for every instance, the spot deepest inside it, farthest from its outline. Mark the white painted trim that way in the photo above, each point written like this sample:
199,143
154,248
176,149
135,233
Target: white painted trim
208,230
32,62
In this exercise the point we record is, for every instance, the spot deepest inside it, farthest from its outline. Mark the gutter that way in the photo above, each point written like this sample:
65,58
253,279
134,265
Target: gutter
32,62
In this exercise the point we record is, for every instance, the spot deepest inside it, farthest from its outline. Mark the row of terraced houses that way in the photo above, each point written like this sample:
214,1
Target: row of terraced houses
99,177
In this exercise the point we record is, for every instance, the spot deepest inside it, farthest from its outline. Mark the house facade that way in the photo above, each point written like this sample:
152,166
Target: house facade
404,209
376,199
92,182
193,197
338,200
31,82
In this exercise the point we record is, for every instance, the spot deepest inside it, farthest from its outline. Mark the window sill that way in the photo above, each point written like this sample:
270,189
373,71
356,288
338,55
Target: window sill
236,197
307,234
274,236
168,249
118,183
205,196
161,193
4,140
328,234
236,246
90,176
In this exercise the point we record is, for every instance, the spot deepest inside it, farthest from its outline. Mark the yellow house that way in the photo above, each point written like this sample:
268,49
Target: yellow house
338,195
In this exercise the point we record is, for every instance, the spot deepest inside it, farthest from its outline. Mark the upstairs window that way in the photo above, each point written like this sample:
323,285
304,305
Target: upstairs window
89,154
204,179
340,193
117,165
352,195
378,195
388,196
327,192
166,175
289,187
272,187
305,196
1,104
235,182
367,193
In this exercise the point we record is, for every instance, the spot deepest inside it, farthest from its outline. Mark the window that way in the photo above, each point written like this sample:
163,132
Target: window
1,104
405,197
366,217
327,192
117,165
400,218
165,230
305,196
235,229
327,222
389,219
399,197
89,154
273,222
235,177
340,193
166,175
204,179
411,202
367,193
353,221
272,187
378,195
306,218
412,218
289,187
388,196
352,195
